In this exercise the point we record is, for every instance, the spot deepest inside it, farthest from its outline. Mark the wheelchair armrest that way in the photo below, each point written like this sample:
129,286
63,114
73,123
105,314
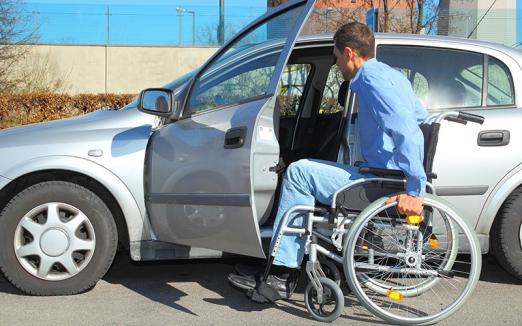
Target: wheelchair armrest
391,173
382,172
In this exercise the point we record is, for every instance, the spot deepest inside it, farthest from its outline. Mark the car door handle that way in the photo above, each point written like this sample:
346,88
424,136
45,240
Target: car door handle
493,138
235,137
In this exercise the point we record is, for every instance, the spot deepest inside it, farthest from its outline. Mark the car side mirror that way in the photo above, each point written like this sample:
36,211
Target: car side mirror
156,101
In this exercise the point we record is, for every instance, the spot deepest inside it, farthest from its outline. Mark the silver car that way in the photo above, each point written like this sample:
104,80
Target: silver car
194,172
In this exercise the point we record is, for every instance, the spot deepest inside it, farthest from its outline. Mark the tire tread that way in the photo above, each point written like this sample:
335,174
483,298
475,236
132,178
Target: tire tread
499,237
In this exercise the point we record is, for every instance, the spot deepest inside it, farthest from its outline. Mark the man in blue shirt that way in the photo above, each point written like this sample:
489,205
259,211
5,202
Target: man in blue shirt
388,122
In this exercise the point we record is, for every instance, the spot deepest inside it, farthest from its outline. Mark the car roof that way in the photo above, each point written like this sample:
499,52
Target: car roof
328,37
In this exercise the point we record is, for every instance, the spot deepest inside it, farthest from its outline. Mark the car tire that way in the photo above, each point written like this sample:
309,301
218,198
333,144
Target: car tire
43,255
505,237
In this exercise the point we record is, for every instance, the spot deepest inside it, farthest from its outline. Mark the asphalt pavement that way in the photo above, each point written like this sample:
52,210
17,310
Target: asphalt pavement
197,293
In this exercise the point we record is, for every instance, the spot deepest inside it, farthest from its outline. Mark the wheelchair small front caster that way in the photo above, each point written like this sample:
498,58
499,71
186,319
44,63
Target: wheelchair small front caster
332,304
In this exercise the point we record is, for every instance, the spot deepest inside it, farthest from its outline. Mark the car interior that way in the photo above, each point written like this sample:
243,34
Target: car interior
310,114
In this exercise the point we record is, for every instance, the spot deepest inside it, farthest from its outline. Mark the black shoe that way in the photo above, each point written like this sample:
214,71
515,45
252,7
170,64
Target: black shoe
243,282
249,270
285,287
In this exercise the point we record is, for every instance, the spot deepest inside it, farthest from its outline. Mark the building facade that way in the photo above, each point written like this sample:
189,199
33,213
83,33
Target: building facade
497,21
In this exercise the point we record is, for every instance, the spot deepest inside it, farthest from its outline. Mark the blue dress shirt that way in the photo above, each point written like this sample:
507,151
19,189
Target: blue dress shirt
389,115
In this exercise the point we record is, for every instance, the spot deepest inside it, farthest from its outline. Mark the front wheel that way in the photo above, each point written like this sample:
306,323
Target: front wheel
330,306
57,238
411,272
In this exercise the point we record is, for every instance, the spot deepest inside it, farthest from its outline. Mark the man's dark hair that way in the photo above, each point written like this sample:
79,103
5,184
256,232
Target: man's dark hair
356,36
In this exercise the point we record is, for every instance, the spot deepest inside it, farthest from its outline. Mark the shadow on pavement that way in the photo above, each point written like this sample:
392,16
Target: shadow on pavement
492,272
7,288
158,281
161,282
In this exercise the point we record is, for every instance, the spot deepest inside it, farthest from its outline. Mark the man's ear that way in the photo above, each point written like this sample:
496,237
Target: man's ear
349,53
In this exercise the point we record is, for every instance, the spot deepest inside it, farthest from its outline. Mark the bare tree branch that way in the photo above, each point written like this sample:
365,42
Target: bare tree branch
15,32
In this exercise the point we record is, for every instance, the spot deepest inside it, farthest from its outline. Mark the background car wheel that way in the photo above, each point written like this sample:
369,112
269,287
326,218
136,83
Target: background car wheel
506,235
57,238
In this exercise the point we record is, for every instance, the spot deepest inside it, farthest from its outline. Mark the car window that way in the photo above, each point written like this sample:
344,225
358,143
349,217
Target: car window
418,82
329,102
292,86
500,84
471,78
244,71
441,78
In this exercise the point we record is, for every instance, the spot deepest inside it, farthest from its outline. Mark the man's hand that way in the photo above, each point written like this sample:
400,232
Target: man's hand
407,205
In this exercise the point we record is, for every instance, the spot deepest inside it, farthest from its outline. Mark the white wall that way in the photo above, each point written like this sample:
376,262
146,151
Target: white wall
125,69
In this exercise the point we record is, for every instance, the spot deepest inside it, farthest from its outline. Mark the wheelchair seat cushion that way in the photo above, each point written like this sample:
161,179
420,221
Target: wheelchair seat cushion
359,197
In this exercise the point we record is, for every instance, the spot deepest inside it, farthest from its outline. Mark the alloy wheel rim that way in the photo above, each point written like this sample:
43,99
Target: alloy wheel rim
54,241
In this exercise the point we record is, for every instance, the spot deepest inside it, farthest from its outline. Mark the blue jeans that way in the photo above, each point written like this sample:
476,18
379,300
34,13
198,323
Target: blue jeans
305,182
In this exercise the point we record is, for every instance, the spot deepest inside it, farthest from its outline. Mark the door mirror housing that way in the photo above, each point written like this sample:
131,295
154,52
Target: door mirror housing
156,101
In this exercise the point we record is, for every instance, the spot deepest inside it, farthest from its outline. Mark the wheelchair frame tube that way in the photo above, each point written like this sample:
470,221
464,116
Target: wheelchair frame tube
414,271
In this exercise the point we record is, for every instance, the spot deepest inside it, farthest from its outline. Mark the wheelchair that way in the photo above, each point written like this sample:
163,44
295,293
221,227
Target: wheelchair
403,269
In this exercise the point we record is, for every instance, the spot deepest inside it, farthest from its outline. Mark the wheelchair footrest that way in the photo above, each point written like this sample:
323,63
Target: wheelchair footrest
263,293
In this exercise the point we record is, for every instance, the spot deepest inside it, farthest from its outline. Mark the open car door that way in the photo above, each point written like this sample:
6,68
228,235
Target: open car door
210,174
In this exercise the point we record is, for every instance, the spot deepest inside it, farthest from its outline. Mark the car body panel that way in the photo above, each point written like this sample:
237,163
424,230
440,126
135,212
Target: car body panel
497,197
460,162
4,182
138,227
200,193
121,136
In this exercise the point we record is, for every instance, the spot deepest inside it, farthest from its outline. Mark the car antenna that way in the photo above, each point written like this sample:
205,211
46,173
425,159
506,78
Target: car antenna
480,21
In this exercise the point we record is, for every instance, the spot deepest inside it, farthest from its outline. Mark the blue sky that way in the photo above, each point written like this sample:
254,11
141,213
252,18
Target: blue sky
153,22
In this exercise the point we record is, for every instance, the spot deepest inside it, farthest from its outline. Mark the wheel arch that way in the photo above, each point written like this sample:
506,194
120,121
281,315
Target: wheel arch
132,226
510,183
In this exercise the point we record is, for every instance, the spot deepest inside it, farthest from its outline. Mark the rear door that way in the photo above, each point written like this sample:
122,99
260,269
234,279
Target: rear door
471,159
209,176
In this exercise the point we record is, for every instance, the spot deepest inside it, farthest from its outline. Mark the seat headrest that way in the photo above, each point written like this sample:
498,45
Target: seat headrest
343,90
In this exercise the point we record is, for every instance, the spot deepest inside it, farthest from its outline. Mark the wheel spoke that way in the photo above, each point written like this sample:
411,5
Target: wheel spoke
79,244
30,249
53,214
69,264
32,227
45,266
75,222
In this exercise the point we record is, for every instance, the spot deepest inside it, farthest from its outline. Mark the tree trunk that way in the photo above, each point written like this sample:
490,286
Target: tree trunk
420,16
386,9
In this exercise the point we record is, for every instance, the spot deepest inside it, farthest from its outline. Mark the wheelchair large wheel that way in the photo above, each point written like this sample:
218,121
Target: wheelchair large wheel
447,255
411,272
